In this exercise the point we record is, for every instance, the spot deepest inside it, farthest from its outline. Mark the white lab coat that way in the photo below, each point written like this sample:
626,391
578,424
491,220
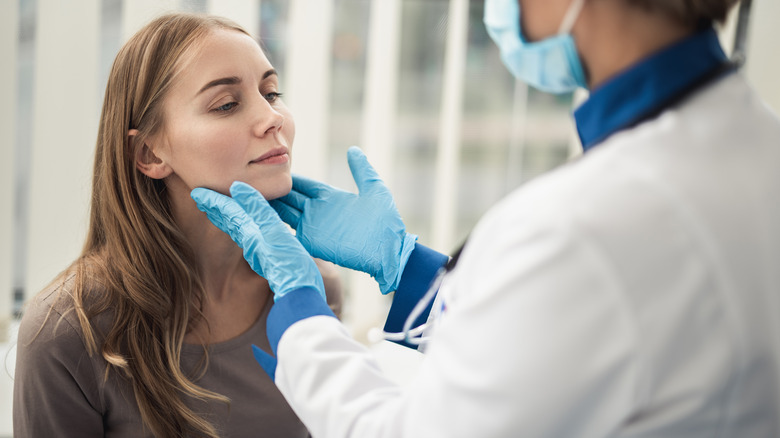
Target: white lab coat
632,293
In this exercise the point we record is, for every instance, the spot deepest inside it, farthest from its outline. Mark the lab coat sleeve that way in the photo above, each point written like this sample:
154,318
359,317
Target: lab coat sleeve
536,342
417,276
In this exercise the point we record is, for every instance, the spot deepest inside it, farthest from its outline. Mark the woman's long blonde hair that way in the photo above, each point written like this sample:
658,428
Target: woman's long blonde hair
135,262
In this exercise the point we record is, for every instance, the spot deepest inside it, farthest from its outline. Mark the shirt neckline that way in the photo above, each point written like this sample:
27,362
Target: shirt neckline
243,340
649,86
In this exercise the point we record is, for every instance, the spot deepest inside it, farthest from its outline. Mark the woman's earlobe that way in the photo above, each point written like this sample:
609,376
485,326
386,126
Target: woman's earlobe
146,161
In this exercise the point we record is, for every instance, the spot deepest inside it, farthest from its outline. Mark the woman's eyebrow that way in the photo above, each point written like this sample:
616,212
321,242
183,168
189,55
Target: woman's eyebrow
232,80
270,72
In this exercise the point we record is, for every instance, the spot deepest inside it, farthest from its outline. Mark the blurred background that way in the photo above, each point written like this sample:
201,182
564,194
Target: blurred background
416,83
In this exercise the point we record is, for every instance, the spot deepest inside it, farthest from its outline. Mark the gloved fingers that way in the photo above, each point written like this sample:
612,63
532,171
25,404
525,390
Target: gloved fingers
266,361
290,215
208,199
221,210
295,200
366,178
254,204
308,187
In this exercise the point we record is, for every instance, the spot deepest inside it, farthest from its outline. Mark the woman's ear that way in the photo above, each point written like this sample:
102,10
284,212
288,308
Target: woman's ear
146,161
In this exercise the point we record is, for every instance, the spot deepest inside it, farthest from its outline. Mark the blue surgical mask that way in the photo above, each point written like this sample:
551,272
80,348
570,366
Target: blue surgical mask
550,65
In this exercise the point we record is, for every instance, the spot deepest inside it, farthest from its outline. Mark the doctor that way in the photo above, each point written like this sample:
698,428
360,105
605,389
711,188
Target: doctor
634,292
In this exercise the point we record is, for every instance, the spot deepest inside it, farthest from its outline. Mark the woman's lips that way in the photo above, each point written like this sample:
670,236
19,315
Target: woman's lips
274,156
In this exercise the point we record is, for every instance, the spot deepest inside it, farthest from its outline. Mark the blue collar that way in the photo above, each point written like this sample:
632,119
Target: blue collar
648,87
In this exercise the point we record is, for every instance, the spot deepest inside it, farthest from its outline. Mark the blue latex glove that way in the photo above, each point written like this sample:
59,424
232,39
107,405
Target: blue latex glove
269,246
363,232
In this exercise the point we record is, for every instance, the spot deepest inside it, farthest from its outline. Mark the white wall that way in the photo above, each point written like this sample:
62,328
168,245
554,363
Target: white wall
8,84
65,118
306,77
9,29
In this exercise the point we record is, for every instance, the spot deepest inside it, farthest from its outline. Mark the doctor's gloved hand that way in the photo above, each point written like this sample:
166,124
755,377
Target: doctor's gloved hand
363,232
269,246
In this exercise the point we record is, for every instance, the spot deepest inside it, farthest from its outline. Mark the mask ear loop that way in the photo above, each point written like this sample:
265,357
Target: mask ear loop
571,16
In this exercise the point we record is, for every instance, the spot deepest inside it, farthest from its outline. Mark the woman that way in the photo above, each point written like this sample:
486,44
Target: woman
147,333
632,293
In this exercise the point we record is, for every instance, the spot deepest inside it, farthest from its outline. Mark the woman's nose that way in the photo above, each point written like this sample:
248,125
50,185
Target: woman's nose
267,119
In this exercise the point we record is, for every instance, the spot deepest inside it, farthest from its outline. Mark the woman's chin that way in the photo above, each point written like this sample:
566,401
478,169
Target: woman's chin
274,190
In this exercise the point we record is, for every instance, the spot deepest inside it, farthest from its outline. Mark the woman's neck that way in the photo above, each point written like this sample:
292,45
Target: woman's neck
611,36
219,259
235,296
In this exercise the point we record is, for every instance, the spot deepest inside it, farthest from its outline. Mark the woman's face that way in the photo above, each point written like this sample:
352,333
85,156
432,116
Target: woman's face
224,120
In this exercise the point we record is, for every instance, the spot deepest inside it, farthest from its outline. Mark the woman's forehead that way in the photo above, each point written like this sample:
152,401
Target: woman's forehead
222,53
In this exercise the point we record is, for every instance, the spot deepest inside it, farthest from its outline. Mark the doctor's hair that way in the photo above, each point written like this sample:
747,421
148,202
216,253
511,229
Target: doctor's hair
136,263
688,12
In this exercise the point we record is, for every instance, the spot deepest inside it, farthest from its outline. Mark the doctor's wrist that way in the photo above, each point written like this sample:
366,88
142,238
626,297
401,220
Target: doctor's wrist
391,269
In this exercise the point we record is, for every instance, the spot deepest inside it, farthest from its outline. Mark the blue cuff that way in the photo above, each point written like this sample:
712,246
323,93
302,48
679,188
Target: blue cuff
418,274
292,307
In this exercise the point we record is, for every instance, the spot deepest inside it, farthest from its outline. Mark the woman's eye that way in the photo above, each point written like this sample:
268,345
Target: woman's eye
226,108
272,96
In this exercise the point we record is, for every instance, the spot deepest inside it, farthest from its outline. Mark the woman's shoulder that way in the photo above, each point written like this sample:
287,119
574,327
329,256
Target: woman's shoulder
49,319
48,306
55,376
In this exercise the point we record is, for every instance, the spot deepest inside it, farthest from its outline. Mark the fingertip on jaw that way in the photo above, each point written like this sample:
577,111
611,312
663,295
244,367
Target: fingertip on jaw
197,194
239,187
